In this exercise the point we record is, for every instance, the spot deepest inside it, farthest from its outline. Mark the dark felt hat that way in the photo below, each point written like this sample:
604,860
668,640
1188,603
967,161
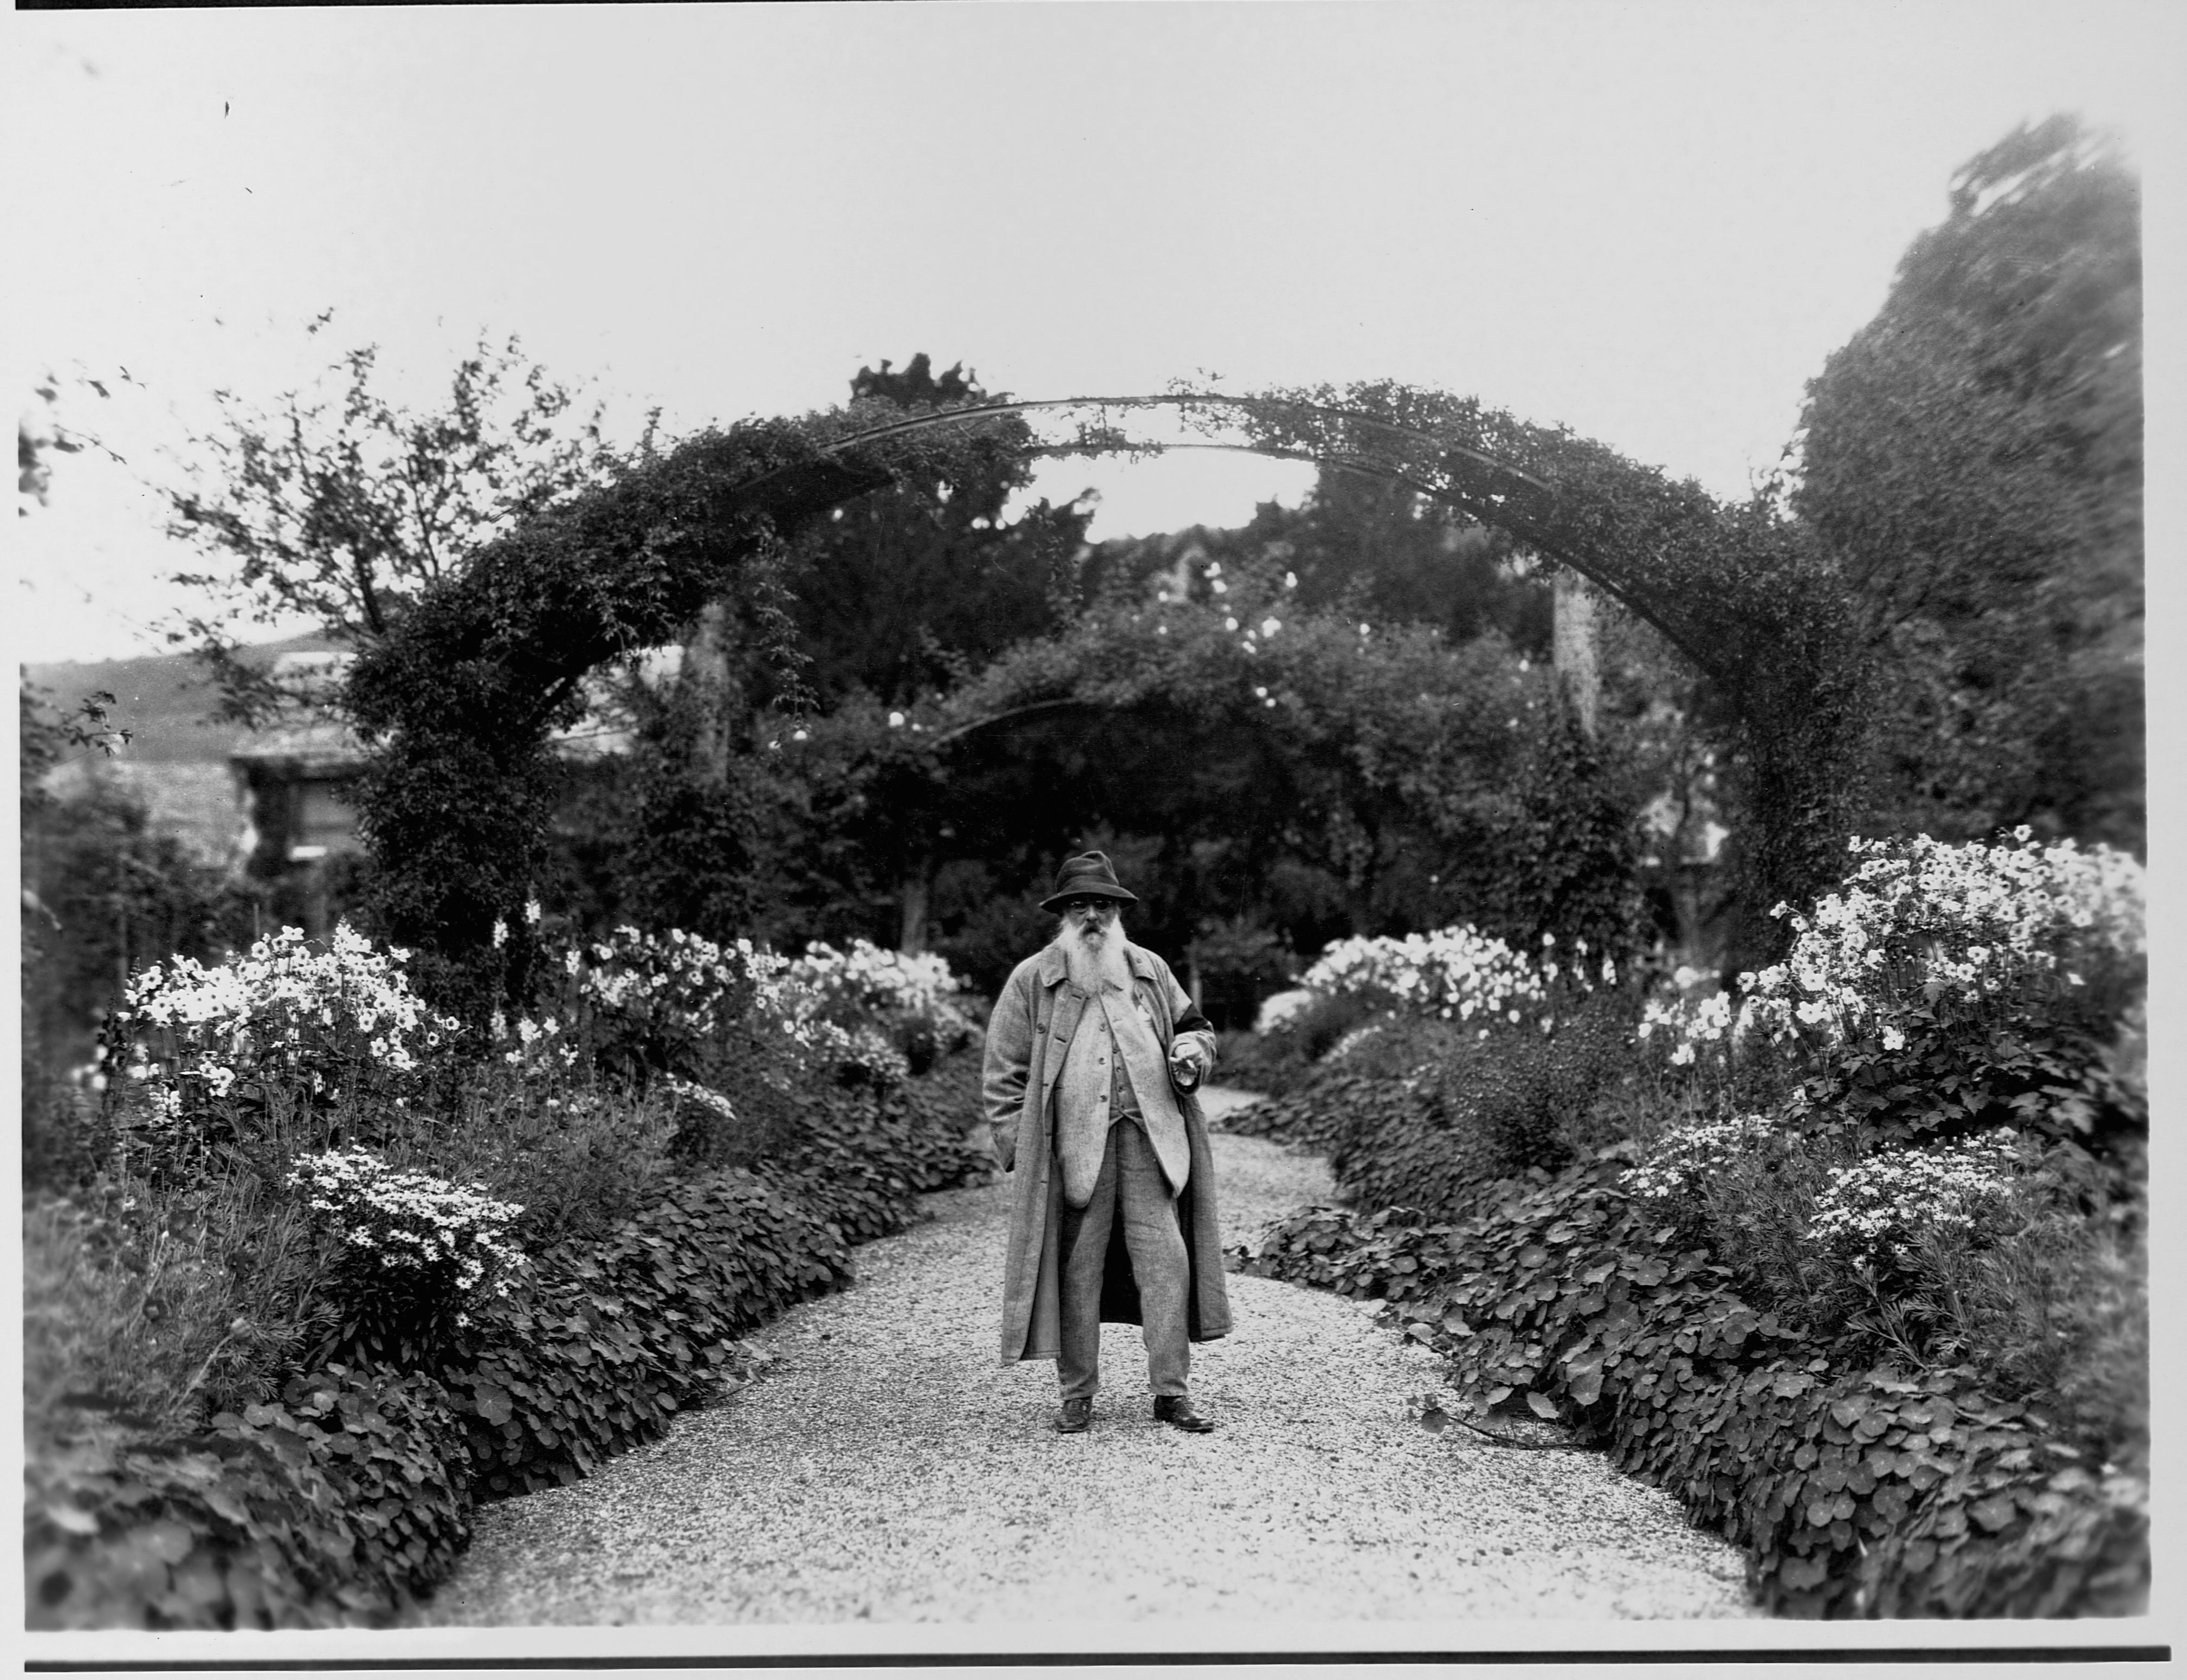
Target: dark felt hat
1089,876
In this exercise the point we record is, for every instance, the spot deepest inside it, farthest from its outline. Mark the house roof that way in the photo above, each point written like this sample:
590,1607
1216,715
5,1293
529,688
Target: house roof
317,748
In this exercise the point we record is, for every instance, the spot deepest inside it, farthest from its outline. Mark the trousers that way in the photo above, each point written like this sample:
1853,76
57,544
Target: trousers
1130,1184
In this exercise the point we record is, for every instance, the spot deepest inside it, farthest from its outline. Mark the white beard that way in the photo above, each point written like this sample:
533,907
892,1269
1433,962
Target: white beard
1096,961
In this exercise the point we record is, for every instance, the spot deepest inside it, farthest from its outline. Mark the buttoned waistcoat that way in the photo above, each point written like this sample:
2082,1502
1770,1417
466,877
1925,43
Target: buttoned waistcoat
1112,1028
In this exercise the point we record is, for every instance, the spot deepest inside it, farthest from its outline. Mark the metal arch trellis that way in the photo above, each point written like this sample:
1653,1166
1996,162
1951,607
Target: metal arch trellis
1103,437
472,678
1186,400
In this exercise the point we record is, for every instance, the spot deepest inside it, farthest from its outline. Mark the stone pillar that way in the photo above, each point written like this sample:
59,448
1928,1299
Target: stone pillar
1577,645
707,674
911,931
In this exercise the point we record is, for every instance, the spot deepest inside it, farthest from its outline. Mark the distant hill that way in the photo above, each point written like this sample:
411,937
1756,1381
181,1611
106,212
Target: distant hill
166,701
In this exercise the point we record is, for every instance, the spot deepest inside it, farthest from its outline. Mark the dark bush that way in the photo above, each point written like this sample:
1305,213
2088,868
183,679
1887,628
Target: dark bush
1860,1492
609,1339
1270,1063
1430,1115
578,1161
334,1506
612,1336
67,1134
1316,1029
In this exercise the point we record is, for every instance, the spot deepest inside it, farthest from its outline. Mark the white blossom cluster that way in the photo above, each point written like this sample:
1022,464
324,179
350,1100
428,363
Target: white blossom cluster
678,979
281,1007
875,979
1685,1155
868,978
411,1221
1456,973
539,1046
687,985
1891,1199
1691,1022
704,1096
1922,921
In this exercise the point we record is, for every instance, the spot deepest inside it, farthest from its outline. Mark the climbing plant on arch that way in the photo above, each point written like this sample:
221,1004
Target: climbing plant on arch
461,699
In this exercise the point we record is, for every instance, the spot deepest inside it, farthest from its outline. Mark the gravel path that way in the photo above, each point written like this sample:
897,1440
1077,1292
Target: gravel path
885,1468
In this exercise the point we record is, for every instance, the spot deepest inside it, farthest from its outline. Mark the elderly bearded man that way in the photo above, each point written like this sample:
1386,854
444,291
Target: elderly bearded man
1093,1053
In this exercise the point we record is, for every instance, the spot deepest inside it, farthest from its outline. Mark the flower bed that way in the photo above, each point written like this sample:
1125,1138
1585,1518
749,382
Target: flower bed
1868,1491
1850,1259
450,1342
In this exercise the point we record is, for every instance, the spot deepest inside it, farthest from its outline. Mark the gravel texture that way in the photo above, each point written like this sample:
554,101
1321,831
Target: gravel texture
884,1467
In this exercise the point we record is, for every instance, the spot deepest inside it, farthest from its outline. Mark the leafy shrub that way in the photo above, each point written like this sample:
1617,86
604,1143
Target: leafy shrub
864,1156
68,1131
1861,1492
334,1506
608,1339
577,1154
1405,1139
1323,1024
1272,1063
1427,1113
2057,1315
411,1253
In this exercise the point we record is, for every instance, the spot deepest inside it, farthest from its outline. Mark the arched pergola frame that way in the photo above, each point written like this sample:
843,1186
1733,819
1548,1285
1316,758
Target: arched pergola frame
459,700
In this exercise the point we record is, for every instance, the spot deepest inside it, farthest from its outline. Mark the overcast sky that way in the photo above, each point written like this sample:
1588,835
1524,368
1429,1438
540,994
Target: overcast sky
1649,222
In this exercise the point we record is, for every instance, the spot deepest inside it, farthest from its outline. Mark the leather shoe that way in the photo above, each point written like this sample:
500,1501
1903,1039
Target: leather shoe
1176,1411
1076,1417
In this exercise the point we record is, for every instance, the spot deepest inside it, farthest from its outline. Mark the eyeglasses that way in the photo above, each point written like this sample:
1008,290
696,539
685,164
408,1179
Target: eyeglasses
1072,904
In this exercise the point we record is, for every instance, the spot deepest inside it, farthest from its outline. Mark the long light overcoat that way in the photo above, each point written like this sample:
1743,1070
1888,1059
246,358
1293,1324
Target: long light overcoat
1027,1036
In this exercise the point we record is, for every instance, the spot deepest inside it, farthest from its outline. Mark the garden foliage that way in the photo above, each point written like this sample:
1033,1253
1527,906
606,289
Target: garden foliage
461,695
1852,1261
1856,1489
332,1283
1975,453
329,1504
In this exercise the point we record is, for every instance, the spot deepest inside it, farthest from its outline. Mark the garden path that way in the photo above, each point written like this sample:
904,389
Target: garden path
883,1468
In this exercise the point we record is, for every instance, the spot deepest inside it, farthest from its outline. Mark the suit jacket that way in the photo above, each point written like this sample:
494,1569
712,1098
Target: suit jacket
1028,1035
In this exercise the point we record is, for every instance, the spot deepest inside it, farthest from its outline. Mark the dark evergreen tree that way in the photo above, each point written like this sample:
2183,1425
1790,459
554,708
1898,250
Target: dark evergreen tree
1974,458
